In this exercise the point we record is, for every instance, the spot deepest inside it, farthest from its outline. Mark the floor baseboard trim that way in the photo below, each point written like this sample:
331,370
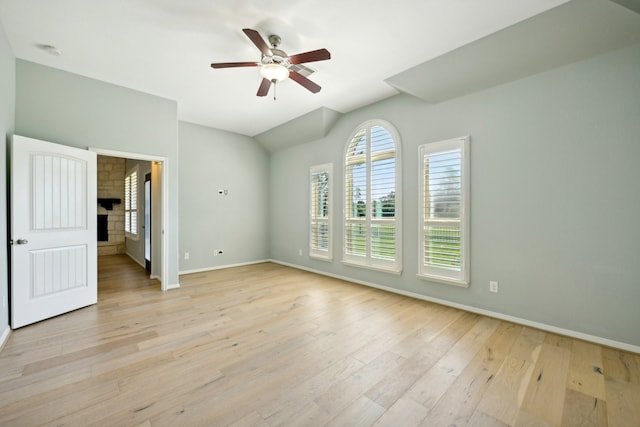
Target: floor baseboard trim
5,336
525,322
137,261
221,267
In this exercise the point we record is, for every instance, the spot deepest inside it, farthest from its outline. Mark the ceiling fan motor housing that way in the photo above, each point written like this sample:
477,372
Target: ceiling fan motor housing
279,57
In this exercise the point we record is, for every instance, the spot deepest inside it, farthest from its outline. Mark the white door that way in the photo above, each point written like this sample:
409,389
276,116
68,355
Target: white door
53,230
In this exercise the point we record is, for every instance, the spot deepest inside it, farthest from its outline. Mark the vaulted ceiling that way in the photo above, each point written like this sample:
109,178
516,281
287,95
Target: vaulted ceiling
432,49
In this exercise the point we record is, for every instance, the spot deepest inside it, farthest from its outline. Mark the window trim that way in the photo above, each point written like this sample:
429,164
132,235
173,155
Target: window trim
313,252
435,274
133,209
395,266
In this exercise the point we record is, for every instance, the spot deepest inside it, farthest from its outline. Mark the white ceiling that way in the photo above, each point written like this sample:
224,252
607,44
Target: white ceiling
165,47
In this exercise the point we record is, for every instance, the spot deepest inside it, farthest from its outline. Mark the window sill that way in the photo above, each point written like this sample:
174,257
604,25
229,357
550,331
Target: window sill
321,258
445,280
373,267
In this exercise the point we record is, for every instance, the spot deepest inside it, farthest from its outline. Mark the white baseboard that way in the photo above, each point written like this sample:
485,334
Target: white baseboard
174,286
136,260
525,322
5,336
220,267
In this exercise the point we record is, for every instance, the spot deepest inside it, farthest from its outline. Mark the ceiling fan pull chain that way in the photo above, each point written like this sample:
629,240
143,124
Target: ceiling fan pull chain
275,85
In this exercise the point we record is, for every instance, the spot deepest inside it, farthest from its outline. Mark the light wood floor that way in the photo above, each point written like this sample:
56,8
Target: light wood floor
268,345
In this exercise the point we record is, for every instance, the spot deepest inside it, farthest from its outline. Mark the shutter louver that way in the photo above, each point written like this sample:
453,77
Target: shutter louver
445,249
371,229
134,202
131,203
319,209
383,185
442,211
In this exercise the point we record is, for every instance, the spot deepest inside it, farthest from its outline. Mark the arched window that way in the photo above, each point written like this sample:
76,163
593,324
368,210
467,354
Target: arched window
372,226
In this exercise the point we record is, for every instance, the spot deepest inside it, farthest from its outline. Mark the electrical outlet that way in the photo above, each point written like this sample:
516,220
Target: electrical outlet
493,286
300,252
186,255
219,252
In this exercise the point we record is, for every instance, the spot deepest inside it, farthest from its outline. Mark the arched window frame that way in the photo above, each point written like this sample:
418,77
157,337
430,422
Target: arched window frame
365,247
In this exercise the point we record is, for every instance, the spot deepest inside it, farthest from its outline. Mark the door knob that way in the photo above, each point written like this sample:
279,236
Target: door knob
22,242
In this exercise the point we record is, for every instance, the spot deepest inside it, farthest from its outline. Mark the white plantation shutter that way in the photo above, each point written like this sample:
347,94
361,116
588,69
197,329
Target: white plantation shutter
371,223
320,210
131,203
444,251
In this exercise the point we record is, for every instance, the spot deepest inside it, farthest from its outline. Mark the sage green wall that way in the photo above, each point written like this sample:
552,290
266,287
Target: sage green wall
69,109
7,107
237,223
555,197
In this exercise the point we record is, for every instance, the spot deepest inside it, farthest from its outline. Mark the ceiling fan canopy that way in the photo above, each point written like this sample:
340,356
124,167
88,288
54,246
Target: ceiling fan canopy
276,66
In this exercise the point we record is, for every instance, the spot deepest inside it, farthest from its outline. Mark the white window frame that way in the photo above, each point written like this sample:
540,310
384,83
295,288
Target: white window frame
367,261
314,250
131,206
449,276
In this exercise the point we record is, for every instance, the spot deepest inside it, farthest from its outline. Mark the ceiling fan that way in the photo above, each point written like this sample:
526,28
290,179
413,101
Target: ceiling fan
276,65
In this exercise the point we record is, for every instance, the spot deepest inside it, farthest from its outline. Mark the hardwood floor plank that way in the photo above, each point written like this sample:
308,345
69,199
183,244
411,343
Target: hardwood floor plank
434,383
344,392
361,413
404,412
481,419
581,410
42,408
400,379
546,392
287,405
505,395
623,407
252,419
585,370
270,345
460,401
621,365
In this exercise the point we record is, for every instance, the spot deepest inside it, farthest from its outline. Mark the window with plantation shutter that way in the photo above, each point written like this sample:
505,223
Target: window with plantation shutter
320,245
372,207
131,203
444,242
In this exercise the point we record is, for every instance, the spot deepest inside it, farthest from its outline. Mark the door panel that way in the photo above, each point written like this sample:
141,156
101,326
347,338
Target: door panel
53,230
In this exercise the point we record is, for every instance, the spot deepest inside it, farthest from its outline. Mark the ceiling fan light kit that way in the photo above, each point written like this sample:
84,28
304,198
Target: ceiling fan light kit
276,65
274,72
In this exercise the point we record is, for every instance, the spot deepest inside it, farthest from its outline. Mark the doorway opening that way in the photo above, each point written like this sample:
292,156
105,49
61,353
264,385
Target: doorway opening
147,222
147,245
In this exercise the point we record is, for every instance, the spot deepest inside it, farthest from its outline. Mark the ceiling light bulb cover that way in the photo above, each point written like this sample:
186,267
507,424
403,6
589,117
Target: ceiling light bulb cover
275,72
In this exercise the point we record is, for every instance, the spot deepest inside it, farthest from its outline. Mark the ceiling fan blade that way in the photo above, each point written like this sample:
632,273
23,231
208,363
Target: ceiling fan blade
312,56
233,64
302,69
263,90
257,39
303,81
